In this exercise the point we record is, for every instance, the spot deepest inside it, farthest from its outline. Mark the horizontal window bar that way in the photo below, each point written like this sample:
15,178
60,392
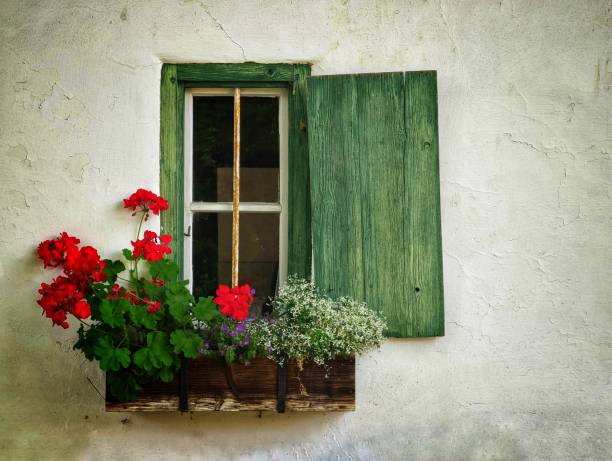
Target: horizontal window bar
250,207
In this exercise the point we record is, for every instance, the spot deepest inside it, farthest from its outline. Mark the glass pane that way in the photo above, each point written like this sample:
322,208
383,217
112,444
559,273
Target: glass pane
213,125
213,144
259,254
259,149
212,253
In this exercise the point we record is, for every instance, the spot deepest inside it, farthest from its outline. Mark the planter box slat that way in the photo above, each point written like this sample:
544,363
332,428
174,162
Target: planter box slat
215,386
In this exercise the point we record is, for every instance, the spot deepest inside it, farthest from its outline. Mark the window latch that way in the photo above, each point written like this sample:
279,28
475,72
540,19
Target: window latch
188,234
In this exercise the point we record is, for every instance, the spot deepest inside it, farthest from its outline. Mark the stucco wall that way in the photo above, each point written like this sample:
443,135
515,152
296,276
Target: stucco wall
525,99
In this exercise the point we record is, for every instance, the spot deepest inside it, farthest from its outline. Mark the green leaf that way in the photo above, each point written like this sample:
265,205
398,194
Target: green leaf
111,358
187,342
112,311
143,359
179,302
127,254
160,347
87,341
142,318
112,268
165,269
157,354
206,310
166,374
152,290
123,386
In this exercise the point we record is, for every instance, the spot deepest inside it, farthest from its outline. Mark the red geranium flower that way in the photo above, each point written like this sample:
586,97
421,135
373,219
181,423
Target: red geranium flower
63,296
151,246
234,302
53,252
82,309
152,306
82,267
145,200
85,263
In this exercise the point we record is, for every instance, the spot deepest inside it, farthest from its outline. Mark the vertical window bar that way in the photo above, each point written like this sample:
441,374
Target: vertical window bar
236,189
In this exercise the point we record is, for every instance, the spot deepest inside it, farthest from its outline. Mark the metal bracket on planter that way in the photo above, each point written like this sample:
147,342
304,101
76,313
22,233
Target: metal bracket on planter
281,388
183,386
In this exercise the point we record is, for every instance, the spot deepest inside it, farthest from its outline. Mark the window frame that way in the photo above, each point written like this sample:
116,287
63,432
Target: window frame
190,207
175,80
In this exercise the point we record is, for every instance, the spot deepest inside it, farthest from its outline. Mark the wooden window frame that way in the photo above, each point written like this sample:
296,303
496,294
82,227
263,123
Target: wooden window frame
175,79
279,207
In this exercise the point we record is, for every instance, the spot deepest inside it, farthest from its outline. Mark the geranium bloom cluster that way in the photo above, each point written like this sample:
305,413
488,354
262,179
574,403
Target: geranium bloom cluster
145,200
234,302
82,267
152,247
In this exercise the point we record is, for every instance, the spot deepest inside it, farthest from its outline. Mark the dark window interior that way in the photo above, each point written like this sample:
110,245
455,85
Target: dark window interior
259,182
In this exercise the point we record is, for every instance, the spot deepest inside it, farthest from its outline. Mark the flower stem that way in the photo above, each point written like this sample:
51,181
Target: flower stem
142,218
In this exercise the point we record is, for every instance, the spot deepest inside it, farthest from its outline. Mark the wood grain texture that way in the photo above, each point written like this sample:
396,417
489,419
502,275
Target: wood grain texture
300,239
216,386
172,100
375,191
243,72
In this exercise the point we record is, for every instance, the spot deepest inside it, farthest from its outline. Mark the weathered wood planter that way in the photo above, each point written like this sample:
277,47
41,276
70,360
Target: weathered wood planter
212,385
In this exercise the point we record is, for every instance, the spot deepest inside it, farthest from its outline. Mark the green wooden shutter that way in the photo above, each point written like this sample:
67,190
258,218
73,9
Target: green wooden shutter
373,142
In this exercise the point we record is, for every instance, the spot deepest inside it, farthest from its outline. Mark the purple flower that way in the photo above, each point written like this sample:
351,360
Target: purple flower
232,333
270,349
240,327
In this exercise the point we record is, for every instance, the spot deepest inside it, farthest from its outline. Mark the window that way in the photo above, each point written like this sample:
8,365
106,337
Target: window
361,176
209,170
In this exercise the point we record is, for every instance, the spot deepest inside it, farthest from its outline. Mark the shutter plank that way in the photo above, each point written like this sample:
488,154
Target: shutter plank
422,198
300,239
172,97
336,209
375,195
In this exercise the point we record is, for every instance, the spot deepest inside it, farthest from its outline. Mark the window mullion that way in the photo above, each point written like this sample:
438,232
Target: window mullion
236,189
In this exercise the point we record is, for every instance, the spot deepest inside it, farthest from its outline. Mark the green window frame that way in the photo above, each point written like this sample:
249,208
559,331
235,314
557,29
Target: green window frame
175,78
369,164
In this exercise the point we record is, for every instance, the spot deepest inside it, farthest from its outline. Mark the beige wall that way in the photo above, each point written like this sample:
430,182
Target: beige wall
525,98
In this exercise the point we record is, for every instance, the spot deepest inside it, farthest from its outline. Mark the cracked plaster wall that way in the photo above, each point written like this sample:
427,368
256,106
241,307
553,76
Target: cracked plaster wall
525,98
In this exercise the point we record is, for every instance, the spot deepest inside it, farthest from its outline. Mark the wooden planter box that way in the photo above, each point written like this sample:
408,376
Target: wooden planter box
212,385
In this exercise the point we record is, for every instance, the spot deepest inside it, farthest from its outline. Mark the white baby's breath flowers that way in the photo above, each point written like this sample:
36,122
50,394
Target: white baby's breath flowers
312,327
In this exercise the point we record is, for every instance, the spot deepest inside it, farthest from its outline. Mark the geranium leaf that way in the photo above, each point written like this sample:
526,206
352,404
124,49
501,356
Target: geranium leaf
142,359
164,269
123,386
111,358
141,317
161,352
87,341
166,374
206,310
187,342
112,268
179,302
127,254
112,311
